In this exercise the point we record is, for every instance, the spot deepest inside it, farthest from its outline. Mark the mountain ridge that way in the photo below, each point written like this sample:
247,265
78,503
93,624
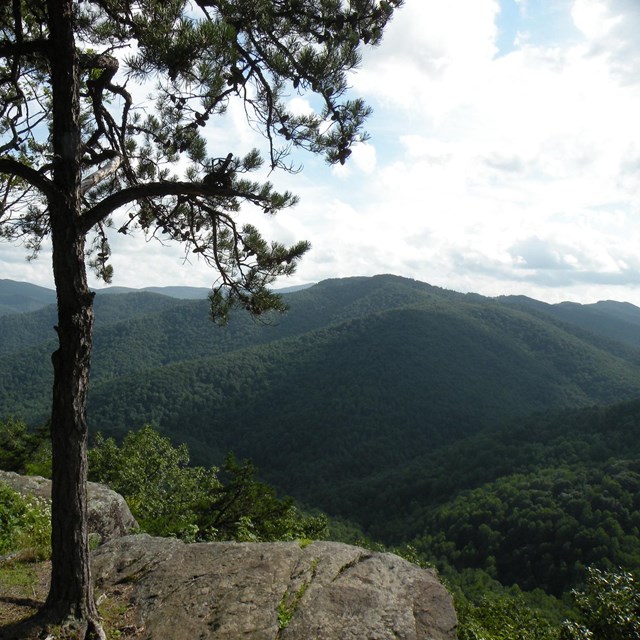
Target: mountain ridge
419,414
19,297
371,371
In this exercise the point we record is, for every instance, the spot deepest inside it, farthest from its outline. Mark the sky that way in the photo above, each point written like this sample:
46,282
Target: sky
504,158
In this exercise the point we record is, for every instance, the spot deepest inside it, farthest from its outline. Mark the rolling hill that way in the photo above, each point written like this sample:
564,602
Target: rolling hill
362,376
19,297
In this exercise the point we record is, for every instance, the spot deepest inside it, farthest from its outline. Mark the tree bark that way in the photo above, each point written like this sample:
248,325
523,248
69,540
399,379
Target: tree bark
70,597
71,592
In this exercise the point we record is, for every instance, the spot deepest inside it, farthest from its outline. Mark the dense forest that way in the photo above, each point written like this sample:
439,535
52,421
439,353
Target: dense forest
497,439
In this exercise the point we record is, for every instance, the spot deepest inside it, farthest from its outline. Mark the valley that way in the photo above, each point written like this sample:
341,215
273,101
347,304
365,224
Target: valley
497,436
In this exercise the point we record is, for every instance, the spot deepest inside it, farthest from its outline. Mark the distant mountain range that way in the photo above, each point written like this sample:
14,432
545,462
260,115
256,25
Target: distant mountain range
19,297
373,372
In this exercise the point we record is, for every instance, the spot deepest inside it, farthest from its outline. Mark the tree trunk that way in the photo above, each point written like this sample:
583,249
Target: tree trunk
71,591
70,598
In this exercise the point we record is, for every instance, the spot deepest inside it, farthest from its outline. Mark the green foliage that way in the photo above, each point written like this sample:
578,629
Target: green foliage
246,509
169,497
487,610
503,618
541,529
40,462
471,587
290,601
15,444
23,450
25,525
154,477
458,351
610,607
409,443
405,381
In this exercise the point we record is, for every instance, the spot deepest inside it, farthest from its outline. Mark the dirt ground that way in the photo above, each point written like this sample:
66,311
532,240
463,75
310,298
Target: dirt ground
23,590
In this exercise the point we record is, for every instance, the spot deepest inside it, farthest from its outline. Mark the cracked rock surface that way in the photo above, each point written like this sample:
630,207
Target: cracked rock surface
274,591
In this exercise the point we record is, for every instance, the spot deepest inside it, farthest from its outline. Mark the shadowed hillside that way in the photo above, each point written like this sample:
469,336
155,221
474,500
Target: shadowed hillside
362,375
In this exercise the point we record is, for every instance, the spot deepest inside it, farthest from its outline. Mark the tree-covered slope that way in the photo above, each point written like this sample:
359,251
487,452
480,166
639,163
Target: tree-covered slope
141,331
27,341
536,500
374,370
619,321
329,407
36,329
402,407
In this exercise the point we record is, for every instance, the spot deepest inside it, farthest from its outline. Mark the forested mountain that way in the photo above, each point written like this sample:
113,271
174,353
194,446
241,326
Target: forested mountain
532,502
19,297
503,360
615,320
361,376
418,413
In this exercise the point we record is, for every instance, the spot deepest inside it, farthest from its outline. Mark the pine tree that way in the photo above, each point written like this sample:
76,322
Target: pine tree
80,161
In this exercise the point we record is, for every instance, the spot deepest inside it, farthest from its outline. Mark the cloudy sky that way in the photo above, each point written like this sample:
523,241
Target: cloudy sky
504,159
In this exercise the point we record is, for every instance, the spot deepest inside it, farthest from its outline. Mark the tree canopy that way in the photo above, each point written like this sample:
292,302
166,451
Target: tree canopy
169,497
150,162
81,158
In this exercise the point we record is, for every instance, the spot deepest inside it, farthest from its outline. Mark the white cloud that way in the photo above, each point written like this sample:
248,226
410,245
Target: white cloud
611,30
486,152
494,170
14,265
430,46
300,106
594,18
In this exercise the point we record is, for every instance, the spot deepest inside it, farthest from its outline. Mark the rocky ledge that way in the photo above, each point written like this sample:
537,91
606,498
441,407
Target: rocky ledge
273,591
257,591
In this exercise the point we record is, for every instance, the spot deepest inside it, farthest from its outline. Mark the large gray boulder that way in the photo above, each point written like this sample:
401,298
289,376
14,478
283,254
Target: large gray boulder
108,514
273,591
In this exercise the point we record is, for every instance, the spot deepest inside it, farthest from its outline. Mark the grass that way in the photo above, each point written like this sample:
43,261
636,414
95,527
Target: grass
289,603
23,590
25,571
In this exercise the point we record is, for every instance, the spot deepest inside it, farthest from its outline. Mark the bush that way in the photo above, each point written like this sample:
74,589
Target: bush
610,608
505,617
170,498
25,451
25,525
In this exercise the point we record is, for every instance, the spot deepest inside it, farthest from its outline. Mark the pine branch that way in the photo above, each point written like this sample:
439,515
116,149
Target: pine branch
12,167
100,174
9,49
100,211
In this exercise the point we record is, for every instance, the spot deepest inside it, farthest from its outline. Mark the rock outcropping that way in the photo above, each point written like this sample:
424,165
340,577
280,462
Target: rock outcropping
108,513
274,591
258,591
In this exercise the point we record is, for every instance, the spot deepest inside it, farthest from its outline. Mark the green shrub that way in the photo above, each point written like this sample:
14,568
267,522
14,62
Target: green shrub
23,450
504,617
168,497
25,525
610,607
